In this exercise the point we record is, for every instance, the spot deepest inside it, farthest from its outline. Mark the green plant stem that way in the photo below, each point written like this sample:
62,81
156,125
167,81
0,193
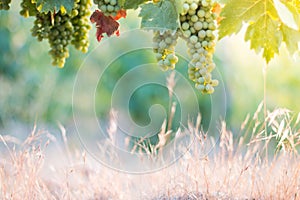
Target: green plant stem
265,107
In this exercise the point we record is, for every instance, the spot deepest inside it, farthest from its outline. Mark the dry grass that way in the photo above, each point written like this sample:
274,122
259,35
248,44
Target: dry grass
247,165
234,169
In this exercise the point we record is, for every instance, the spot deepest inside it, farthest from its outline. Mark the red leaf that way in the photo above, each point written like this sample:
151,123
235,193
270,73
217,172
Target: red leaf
120,14
104,24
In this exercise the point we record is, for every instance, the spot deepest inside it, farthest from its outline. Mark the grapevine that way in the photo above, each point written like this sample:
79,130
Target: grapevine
64,23
198,23
5,4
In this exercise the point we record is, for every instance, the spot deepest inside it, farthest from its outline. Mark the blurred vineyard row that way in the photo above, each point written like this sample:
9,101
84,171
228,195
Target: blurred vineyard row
33,90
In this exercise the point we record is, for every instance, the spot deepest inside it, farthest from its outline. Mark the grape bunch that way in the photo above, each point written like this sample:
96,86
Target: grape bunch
60,36
198,23
80,22
164,43
5,4
60,28
108,7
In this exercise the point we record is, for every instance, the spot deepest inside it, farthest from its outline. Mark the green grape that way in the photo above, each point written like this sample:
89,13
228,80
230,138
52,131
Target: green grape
201,13
164,46
173,59
185,7
212,26
108,7
113,2
5,4
209,33
187,33
185,26
193,6
80,22
198,26
193,39
202,34
198,23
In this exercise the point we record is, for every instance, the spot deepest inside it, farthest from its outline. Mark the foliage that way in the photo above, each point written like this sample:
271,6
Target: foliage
266,31
131,4
53,6
104,24
294,8
162,15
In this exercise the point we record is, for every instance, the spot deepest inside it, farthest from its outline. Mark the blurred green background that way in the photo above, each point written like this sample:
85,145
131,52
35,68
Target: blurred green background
31,90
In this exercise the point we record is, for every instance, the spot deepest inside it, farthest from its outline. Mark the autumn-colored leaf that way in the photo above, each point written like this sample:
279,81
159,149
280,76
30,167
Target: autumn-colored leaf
216,8
121,13
104,24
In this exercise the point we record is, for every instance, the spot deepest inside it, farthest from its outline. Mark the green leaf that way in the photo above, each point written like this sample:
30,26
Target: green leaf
159,15
121,2
222,1
54,5
265,29
131,4
179,5
291,38
264,34
294,8
236,12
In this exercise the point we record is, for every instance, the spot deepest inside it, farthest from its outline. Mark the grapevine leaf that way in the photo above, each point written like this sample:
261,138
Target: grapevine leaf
236,12
121,2
131,4
263,30
263,34
291,38
159,15
294,8
121,13
53,5
222,1
179,5
104,24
